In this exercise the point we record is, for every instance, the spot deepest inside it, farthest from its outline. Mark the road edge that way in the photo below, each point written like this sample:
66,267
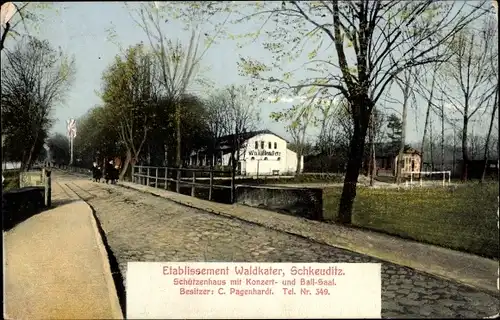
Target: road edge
116,309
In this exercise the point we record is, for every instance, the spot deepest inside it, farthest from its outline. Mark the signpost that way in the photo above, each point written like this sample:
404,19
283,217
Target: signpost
71,126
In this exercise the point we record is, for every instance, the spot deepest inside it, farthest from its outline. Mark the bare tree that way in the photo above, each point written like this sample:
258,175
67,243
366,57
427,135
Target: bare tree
300,117
35,78
469,75
493,55
327,128
298,130
178,63
405,84
375,135
427,91
216,114
334,119
241,116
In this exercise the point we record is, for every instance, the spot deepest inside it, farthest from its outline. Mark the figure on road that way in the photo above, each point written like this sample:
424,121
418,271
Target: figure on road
96,172
109,175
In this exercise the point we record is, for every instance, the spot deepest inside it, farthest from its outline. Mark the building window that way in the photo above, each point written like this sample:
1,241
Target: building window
262,144
275,145
253,158
256,144
269,145
265,158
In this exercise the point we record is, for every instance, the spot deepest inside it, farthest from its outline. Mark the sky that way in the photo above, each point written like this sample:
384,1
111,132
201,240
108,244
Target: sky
81,30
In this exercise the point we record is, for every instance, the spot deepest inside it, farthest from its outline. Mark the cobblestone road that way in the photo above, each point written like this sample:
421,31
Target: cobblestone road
141,227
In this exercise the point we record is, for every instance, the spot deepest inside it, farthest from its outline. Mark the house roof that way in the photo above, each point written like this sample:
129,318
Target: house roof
225,140
386,149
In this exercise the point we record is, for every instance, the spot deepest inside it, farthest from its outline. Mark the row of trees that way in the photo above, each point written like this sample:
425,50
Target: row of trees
143,121
35,79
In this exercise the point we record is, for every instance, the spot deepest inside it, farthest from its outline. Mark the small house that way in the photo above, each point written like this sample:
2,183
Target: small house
387,156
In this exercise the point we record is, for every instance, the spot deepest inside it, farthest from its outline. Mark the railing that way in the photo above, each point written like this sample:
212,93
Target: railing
161,176
80,170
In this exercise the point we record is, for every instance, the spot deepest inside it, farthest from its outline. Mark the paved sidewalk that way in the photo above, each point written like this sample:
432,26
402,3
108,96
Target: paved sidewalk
56,265
475,271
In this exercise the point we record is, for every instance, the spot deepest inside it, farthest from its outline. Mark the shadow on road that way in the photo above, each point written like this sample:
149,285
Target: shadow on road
13,216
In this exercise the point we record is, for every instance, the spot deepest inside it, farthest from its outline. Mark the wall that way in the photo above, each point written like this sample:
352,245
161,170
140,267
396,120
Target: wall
264,161
407,164
302,202
291,165
20,204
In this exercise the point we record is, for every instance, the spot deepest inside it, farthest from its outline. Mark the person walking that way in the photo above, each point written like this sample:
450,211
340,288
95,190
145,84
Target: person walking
109,171
94,171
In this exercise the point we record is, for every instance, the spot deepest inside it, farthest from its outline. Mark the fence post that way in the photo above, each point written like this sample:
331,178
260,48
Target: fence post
444,174
166,178
232,184
178,187
48,189
133,174
211,185
193,185
156,178
147,175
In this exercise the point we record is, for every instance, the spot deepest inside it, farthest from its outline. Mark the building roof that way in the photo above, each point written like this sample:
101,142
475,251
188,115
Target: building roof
386,149
227,140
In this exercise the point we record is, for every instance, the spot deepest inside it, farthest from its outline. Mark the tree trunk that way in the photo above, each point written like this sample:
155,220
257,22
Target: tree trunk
178,134
23,161
299,156
442,136
32,149
400,162
427,116
128,158
488,137
465,152
356,153
426,123
372,163
431,146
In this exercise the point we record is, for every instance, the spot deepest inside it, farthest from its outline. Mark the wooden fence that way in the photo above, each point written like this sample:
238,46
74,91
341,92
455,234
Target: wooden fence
161,176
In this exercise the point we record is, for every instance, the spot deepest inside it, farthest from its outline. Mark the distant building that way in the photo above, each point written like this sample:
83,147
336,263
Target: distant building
475,169
387,157
261,153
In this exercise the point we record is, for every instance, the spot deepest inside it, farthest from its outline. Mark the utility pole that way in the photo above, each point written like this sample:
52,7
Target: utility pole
71,126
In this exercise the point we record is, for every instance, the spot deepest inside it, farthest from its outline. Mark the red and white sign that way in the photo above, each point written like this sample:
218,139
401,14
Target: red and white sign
71,127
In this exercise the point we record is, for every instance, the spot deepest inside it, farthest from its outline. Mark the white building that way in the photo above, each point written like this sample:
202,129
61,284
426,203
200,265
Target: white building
261,153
